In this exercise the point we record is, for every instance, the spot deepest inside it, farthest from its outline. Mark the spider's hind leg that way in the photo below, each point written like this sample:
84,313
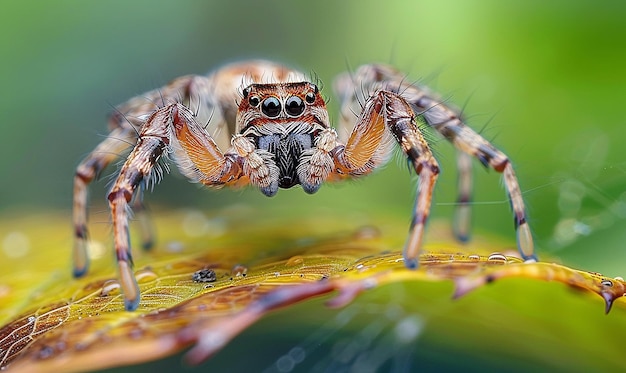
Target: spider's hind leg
448,121
462,213
88,169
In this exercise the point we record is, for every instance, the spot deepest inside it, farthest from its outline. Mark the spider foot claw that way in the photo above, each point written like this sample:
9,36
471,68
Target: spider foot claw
530,258
79,272
129,286
411,263
81,259
131,304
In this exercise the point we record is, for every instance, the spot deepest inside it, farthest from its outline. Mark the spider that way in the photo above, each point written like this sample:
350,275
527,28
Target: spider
262,124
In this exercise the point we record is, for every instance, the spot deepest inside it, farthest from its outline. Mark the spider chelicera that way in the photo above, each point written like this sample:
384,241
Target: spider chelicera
263,124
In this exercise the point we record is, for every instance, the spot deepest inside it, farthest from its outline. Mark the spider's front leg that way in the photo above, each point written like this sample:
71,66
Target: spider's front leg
172,128
387,113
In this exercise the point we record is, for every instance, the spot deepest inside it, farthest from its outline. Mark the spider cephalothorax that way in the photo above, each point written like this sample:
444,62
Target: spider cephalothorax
267,126
284,121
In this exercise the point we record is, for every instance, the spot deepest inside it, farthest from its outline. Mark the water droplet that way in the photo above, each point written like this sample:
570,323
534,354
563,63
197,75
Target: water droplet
295,260
239,270
108,287
474,257
31,319
359,266
145,275
497,257
607,283
618,278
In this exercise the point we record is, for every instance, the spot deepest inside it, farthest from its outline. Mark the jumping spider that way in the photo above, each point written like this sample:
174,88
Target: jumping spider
263,124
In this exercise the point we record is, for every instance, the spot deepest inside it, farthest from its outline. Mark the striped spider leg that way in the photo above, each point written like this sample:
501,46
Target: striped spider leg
353,89
125,125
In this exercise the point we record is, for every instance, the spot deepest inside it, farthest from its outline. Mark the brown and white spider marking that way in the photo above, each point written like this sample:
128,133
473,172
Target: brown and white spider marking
268,127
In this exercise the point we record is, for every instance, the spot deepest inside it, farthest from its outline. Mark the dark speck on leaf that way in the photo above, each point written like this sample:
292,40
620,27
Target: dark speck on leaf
204,275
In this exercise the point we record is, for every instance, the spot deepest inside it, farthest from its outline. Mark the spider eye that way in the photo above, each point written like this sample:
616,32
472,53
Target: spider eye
253,101
271,107
294,106
310,97
246,92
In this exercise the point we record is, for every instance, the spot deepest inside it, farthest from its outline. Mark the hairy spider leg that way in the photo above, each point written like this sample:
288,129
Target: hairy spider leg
170,129
386,112
106,152
447,121
210,100
125,124
135,170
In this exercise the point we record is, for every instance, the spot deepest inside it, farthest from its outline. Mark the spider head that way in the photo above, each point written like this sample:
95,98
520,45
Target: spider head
284,120
281,103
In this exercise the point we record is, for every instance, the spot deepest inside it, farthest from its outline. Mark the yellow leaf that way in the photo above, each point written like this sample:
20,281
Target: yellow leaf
211,278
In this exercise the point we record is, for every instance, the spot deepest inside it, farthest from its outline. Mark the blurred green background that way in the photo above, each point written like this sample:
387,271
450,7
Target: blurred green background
545,79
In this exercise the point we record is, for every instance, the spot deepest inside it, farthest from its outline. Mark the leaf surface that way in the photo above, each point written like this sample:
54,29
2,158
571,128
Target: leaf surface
202,288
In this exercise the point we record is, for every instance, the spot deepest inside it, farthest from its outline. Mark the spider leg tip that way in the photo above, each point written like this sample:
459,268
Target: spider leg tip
79,272
532,258
131,304
147,245
411,263
462,237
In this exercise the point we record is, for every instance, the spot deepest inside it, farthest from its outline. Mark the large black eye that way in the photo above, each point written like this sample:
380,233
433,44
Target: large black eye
294,106
271,107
